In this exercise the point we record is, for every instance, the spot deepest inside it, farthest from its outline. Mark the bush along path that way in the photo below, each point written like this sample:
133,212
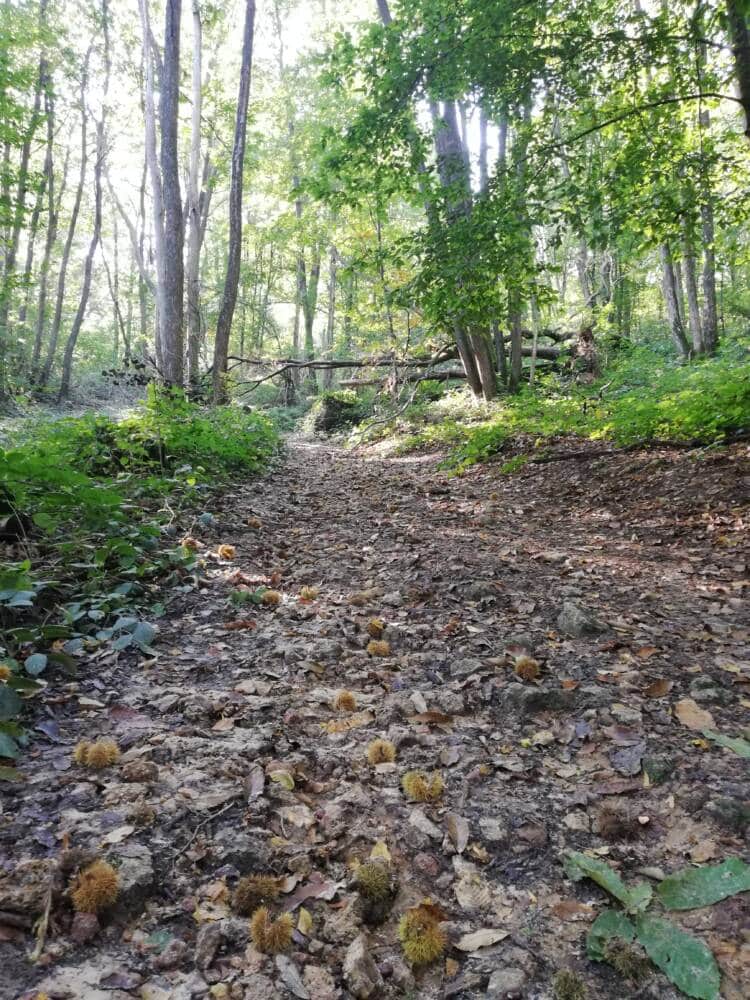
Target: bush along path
407,735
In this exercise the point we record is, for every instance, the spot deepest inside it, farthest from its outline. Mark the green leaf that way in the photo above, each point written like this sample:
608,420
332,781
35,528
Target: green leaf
683,959
578,866
35,664
10,703
741,747
8,746
10,774
608,925
144,634
123,641
694,887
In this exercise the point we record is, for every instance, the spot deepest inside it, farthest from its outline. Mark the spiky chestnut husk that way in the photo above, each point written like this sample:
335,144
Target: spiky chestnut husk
527,668
190,544
618,822
102,754
345,702
373,880
627,960
271,598
253,891
569,986
95,888
5,672
81,752
271,936
378,647
381,752
421,938
420,788
375,628
308,593
226,551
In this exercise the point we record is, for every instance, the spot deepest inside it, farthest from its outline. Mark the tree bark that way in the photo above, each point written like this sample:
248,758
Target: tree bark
193,206
51,236
669,288
740,36
691,291
172,268
229,298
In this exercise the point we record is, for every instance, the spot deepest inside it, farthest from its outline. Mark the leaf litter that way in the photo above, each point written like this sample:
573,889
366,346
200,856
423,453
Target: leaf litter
233,764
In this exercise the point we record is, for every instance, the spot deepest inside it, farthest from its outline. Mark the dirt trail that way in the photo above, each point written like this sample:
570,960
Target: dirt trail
468,573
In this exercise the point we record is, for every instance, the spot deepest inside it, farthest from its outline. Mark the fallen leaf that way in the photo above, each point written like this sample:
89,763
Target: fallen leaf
481,939
658,688
458,831
242,624
692,715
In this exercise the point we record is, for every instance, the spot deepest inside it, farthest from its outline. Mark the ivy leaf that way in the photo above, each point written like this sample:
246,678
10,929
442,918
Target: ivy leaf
694,887
10,703
683,959
741,747
608,925
144,634
578,866
10,774
8,746
123,641
35,664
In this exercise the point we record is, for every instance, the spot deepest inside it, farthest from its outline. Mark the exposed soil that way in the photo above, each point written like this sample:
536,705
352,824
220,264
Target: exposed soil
469,574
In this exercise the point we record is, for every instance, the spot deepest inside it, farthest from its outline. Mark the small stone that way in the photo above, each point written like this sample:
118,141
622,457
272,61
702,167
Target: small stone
418,820
578,622
506,984
135,871
524,700
140,771
360,972
343,925
426,863
85,926
626,714
320,983
577,820
493,829
658,769
732,814
260,987
291,978
207,944
172,956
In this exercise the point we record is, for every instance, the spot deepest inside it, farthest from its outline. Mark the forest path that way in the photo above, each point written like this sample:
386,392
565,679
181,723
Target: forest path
467,573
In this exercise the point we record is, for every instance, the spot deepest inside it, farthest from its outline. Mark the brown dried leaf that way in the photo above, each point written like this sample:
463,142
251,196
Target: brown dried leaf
693,716
458,831
658,688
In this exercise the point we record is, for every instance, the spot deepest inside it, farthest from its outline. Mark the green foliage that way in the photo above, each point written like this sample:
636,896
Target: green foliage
88,492
685,960
337,409
737,744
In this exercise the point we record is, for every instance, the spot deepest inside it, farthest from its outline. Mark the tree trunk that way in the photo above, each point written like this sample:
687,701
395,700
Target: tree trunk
669,288
740,36
61,277
691,290
193,207
49,243
172,268
229,298
97,227
331,318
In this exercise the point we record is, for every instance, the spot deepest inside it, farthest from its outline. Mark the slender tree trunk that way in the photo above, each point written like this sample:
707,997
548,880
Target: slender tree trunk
229,298
30,247
737,18
669,288
96,232
327,378
172,269
193,207
51,236
62,274
691,290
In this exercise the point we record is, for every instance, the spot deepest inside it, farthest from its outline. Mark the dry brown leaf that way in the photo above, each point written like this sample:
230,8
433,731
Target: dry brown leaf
658,688
242,624
458,831
571,909
223,726
432,718
693,716
646,652
344,725
481,939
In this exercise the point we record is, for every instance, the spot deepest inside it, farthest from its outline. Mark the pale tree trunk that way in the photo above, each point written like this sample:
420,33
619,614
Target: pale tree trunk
327,375
62,274
710,318
51,235
535,339
691,291
172,271
669,287
307,293
737,18
193,207
229,297
96,233
152,163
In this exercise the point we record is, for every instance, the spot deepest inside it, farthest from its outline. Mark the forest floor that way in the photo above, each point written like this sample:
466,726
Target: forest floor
604,751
